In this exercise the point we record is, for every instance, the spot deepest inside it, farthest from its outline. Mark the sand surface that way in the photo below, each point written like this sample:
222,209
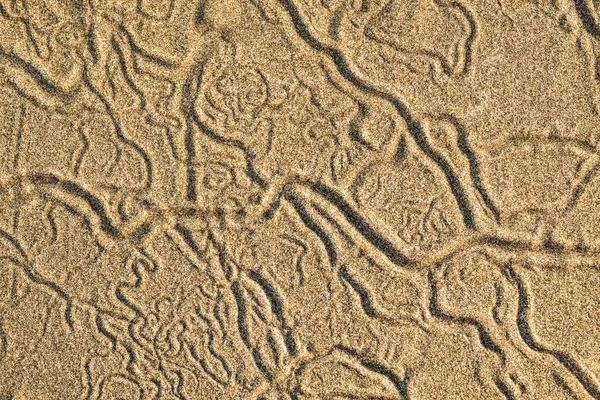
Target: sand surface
299,199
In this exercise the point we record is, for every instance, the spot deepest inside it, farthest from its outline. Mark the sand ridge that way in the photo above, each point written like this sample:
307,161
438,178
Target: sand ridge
299,199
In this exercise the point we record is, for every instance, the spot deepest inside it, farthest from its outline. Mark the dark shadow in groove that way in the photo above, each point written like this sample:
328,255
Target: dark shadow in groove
313,226
401,151
205,366
472,35
119,129
355,126
188,238
189,93
580,188
191,190
551,244
250,168
274,349
163,62
363,293
200,12
187,108
587,381
126,73
474,170
73,188
364,6
102,329
89,380
504,389
260,364
587,18
223,262
241,314
484,337
563,385
91,42
335,24
458,192
218,357
142,232
269,291
36,277
377,240
269,213
414,126
28,67
349,240
10,83
504,243
290,343
401,385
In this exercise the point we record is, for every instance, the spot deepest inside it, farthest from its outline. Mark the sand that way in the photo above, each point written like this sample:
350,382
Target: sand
299,199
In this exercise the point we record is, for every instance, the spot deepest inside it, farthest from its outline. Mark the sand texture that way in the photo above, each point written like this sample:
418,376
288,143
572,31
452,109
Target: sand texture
299,199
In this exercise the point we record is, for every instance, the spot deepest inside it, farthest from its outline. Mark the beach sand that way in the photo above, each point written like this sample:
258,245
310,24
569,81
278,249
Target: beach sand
299,199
